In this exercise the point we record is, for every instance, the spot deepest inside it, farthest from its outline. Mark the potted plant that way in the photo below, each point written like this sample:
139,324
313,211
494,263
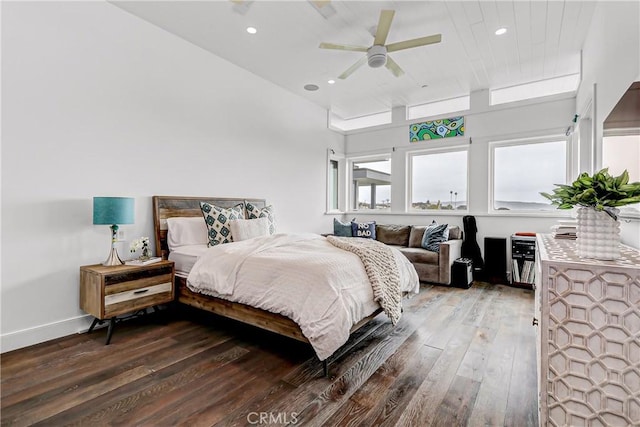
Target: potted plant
598,198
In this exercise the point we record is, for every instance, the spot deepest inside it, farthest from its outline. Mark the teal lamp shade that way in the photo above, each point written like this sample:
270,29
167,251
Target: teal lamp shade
113,211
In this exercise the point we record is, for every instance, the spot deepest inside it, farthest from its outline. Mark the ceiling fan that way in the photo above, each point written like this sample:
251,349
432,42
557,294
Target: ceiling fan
377,53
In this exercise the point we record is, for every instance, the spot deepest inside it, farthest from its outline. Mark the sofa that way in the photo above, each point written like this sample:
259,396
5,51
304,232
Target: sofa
432,267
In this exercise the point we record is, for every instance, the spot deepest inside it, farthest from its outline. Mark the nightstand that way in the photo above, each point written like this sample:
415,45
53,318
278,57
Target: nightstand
109,291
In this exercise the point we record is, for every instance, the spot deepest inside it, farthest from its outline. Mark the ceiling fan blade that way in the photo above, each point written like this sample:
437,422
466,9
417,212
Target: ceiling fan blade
384,24
241,6
353,68
324,8
408,44
343,47
394,67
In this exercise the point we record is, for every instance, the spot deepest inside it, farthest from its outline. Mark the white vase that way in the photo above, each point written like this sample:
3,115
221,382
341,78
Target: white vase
598,234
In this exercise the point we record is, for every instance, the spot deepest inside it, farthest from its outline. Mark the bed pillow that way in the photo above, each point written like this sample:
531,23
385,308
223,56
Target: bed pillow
243,229
267,212
186,231
217,221
364,229
435,234
342,229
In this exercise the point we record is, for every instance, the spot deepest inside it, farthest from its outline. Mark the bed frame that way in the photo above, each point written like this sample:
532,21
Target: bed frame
176,206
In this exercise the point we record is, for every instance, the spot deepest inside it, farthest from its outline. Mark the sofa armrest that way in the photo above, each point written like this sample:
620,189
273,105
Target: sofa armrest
450,251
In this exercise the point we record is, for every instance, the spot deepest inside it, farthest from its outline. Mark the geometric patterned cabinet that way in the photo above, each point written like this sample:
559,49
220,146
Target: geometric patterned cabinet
589,336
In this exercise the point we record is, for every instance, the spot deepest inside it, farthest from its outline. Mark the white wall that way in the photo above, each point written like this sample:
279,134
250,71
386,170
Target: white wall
611,62
97,102
483,124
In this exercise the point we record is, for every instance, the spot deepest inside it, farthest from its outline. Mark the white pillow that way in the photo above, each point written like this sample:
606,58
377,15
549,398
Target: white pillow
183,231
243,229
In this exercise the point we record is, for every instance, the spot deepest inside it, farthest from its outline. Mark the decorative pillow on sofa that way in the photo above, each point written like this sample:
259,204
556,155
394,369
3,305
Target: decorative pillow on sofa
435,234
415,236
342,229
217,220
243,229
364,229
267,212
393,234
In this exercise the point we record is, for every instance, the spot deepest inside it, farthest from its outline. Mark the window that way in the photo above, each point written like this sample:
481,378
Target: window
333,185
521,170
371,184
547,87
337,122
439,107
620,152
438,180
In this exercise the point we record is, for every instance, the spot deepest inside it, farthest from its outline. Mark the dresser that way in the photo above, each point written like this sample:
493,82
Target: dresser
588,317
109,291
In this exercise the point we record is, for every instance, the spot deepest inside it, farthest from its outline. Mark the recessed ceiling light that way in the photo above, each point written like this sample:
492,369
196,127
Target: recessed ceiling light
251,30
311,87
501,31
331,81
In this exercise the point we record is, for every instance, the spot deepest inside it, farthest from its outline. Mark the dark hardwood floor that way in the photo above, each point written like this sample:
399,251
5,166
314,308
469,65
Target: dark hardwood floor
457,358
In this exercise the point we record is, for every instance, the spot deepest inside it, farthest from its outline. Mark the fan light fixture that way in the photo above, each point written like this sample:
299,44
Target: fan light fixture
377,56
377,53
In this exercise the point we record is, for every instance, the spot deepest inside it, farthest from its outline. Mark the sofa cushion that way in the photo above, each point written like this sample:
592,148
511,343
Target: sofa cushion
420,256
393,234
455,232
415,236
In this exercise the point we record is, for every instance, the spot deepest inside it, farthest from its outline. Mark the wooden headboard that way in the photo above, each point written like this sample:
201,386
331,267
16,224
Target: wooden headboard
174,206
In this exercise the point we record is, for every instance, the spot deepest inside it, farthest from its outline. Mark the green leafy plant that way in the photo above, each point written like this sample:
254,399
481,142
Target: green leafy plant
600,191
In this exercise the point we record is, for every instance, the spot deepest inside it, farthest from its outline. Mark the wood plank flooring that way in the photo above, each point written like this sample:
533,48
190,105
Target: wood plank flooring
457,358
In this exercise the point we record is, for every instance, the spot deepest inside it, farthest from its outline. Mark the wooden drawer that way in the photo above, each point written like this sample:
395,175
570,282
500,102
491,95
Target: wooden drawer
137,298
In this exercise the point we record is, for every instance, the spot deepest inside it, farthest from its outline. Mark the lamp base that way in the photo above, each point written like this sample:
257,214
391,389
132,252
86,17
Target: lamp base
113,258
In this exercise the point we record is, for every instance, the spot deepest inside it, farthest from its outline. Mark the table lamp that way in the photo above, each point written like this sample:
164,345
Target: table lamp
113,211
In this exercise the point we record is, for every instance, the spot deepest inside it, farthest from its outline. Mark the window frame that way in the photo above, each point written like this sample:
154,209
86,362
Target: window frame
409,178
339,158
350,160
519,142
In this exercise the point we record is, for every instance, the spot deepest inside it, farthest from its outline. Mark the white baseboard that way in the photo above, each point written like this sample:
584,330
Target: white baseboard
38,334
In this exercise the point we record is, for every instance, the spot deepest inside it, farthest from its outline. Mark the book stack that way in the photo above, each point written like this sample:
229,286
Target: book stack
565,229
147,261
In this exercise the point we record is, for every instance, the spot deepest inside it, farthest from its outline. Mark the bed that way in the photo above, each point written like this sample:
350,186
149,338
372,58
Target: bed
166,207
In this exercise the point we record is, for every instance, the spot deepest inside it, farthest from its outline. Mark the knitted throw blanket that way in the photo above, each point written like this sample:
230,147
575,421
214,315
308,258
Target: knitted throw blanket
381,268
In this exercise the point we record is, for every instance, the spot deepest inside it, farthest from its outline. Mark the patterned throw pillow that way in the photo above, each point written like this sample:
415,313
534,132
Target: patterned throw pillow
435,234
268,212
217,220
364,229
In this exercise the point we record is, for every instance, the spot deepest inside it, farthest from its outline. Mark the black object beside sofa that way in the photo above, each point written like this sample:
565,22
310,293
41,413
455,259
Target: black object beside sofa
432,267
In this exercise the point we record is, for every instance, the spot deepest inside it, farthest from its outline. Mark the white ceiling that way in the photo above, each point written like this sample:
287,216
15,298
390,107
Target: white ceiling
543,40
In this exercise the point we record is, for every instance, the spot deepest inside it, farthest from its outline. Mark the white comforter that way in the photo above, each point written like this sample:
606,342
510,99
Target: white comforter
324,289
